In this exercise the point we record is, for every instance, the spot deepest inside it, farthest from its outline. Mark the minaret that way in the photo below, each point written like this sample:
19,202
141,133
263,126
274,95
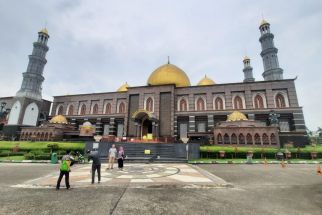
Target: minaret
28,100
248,70
272,71
33,77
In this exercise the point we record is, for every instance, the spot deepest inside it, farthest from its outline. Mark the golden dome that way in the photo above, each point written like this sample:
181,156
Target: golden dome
236,116
169,74
123,88
44,30
263,22
206,81
246,58
59,119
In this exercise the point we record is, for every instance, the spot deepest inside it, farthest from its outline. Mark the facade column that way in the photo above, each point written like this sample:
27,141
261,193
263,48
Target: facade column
192,126
98,126
112,126
210,123
175,126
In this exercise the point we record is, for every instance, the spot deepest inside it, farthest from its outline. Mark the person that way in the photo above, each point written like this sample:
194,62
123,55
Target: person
67,162
120,158
96,165
111,156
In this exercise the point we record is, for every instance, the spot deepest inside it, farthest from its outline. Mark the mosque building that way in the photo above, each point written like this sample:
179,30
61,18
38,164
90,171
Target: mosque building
169,108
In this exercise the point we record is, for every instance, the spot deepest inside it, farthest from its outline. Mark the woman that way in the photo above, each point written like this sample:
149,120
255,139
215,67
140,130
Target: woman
120,157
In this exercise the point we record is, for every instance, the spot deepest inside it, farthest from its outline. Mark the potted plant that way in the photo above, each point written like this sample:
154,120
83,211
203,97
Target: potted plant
221,154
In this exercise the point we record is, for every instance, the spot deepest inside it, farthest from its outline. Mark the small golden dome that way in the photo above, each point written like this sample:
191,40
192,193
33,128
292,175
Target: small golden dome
59,119
44,30
263,22
236,116
123,88
206,81
169,74
246,58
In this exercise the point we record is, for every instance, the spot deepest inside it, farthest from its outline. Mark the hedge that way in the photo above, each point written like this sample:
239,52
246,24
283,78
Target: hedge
42,145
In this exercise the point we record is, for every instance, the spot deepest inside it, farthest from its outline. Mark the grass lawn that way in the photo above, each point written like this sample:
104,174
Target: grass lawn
17,158
28,146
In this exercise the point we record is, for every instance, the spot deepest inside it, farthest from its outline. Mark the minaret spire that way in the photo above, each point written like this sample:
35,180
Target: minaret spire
248,70
168,60
272,71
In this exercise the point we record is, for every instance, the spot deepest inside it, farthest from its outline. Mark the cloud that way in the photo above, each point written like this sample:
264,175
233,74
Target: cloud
95,46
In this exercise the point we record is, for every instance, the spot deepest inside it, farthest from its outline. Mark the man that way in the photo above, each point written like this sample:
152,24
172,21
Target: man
96,165
111,155
67,162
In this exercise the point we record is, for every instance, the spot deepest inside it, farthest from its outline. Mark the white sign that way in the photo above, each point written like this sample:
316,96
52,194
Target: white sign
95,145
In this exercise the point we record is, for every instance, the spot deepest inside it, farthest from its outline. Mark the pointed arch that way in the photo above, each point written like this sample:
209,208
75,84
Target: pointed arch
95,109
280,101
265,139
249,139
219,102
149,104
31,115
70,109
226,139
219,139
258,102
82,110
238,102
257,138
233,139
182,104
241,139
200,104
273,139
14,113
108,108
59,110
121,107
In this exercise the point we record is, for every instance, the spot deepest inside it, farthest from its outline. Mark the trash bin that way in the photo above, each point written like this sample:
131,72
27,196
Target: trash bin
279,156
53,158
249,159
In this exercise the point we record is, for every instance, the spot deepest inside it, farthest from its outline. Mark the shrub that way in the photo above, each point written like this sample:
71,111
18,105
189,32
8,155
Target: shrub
29,156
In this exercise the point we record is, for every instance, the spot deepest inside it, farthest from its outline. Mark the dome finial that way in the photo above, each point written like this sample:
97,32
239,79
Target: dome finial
168,59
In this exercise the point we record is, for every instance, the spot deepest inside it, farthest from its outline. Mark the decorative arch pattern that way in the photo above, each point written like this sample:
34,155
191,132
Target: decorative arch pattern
70,110
149,106
95,109
258,102
108,108
182,104
280,101
200,104
219,103
121,108
82,110
238,103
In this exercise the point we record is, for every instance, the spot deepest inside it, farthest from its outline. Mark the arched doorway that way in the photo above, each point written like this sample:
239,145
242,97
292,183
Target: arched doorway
146,124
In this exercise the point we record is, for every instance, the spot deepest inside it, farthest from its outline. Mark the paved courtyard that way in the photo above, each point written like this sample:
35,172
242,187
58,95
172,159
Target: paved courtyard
210,189
133,175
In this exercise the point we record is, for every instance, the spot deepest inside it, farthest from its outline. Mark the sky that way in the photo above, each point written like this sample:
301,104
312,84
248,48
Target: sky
98,45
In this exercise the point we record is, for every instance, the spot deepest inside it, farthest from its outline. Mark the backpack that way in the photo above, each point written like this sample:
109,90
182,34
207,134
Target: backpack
65,166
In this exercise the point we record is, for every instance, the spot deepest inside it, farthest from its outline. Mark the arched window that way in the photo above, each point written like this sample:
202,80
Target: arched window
200,104
183,105
233,139
257,139
238,103
122,107
241,139
60,110
219,104
273,139
46,136
70,110
83,109
108,108
149,104
219,139
265,139
258,102
95,109
249,139
280,101
226,139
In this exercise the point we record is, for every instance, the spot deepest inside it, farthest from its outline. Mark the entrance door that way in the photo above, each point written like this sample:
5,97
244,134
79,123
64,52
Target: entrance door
146,127
183,130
